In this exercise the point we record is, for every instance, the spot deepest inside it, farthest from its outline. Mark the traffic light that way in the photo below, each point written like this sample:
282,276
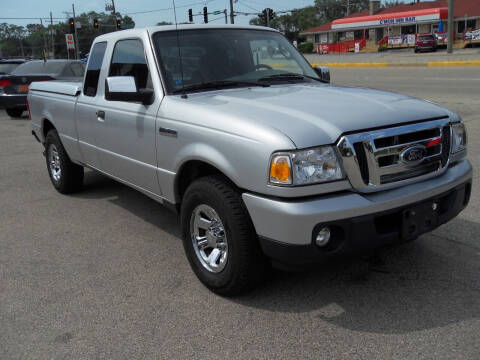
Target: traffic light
95,23
263,16
190,15
119,24
71,22
205,15
271,14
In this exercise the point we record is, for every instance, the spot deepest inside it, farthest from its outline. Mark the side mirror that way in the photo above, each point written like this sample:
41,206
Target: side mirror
123,88
323,73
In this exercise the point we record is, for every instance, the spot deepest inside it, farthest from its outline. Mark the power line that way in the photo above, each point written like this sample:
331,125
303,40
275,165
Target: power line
168,8
248,6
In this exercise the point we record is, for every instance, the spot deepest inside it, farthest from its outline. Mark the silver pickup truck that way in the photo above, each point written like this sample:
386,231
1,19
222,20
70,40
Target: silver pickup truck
265,161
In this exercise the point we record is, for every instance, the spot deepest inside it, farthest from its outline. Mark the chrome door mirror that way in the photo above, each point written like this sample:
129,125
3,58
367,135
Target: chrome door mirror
323,73
123,88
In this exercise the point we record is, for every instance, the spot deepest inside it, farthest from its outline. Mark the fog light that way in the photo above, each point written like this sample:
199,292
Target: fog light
323,236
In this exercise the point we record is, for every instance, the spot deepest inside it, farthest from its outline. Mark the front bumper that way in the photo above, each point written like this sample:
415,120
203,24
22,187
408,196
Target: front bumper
13,101
282,223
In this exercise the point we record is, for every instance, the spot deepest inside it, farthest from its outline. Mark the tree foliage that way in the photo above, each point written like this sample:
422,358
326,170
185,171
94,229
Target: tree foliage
31,40
323,11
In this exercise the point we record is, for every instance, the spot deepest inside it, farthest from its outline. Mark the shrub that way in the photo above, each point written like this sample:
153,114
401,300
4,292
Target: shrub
306,47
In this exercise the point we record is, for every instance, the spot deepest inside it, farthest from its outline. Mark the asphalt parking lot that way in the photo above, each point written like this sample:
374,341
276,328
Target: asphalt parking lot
102,274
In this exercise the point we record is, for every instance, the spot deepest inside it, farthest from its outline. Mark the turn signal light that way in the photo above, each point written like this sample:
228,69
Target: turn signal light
281,170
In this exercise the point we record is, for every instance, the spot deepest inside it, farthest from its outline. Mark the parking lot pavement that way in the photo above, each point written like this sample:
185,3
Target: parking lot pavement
102,274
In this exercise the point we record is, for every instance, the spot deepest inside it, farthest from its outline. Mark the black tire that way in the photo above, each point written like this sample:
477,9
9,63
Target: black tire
70,179
14,113
416,51
246,265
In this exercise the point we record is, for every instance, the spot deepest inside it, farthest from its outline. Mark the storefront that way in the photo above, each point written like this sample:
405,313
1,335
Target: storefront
397,26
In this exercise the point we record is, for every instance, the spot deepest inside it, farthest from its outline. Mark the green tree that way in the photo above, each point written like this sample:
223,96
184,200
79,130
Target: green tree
323,11
391,3
30,41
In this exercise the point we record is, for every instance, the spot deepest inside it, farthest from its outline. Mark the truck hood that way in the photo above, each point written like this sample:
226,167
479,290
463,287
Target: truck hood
311,114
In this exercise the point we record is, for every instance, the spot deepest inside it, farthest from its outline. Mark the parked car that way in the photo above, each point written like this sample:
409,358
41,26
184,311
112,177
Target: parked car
8,65
266,166
425,42
14,87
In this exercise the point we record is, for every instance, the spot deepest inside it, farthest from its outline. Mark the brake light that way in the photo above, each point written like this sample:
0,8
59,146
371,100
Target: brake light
5,83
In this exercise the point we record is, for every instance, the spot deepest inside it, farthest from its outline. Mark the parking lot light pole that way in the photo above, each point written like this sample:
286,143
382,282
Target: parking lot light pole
450,27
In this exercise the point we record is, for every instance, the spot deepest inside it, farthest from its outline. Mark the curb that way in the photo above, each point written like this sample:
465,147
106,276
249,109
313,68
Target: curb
399,64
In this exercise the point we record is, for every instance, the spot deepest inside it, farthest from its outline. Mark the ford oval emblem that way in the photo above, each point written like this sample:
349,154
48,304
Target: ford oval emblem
413,155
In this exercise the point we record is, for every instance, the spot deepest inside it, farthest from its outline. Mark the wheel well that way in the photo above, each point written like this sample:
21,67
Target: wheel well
191,171
47,126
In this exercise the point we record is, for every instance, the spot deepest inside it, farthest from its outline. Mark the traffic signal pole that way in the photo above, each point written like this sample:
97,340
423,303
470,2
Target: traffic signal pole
232,14
75,33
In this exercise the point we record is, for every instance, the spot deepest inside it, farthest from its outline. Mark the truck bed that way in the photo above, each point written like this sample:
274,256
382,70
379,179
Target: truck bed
58,87
55,101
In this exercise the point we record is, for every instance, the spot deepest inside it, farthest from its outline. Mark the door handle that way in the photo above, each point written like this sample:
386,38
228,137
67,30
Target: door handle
101,114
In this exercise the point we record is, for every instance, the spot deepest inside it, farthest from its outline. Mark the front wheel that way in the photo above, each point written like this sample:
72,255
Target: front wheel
66,176
219,238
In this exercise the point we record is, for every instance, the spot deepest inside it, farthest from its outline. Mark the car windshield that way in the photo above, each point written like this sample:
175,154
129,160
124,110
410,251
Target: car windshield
7,68
39,68
427,37
228,57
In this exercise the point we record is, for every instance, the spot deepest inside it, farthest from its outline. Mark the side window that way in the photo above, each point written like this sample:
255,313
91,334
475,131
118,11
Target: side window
129,60
77,69
93,69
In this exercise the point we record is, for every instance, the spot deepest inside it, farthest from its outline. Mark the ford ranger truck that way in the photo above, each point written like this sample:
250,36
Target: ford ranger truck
265,161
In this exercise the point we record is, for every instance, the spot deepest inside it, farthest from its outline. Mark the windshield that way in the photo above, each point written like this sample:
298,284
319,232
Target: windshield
39,67
7,68
229,55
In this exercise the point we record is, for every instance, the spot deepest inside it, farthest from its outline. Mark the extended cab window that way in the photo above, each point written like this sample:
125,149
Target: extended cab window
93,69
129,60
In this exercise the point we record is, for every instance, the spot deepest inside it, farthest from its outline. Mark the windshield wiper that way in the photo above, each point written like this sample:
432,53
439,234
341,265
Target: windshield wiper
217,84
288,76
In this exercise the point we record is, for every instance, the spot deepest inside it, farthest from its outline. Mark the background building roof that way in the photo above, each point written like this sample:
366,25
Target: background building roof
471,8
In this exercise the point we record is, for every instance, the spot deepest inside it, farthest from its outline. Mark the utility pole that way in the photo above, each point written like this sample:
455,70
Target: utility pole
450,27
52,35
267,14
232,14
226,16
75,33
348,7
45,47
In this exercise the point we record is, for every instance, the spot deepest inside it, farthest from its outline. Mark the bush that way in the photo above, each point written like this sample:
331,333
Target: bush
383,47
306,48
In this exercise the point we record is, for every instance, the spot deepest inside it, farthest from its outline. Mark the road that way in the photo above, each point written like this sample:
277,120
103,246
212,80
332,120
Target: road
102,274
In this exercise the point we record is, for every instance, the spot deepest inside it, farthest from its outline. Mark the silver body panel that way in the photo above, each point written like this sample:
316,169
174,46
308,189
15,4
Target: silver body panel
292,222
234,130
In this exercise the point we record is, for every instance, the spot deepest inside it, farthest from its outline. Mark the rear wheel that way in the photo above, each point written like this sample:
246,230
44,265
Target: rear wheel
66,176
14,113
219,238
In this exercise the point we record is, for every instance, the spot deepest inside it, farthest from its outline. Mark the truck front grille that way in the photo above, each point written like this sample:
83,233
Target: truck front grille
396,156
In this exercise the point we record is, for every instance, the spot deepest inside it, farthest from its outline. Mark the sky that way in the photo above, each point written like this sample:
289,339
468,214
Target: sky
163,11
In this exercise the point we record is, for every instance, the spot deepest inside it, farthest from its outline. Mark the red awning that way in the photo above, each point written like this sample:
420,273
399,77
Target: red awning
391,19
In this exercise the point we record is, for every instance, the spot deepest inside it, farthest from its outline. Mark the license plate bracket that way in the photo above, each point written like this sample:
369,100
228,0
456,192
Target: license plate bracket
419,219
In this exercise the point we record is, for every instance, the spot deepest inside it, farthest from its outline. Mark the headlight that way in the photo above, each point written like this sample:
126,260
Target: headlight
305,167
459,137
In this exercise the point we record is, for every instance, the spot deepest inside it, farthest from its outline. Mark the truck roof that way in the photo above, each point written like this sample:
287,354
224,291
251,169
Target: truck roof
153,29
